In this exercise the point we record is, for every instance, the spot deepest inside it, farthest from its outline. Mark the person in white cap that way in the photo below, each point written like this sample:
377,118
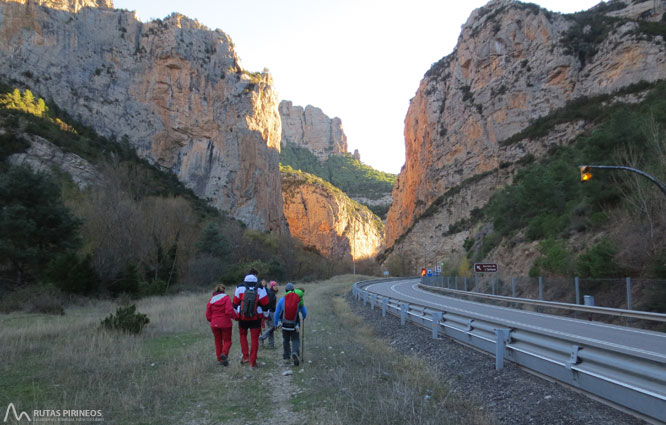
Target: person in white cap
250,301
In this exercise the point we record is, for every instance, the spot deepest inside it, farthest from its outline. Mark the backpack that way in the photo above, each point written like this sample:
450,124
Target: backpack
249,303
290,313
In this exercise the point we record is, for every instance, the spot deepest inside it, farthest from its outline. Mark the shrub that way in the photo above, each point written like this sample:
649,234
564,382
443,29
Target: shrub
10,144
71,274
126,320
598,261
154,287
555,259
655,297
126,282
44,299
235,275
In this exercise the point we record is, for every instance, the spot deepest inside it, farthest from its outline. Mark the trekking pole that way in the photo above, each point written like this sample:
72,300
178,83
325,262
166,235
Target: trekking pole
303,341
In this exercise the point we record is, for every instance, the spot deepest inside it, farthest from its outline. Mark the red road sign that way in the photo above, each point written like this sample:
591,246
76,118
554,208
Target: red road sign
485,267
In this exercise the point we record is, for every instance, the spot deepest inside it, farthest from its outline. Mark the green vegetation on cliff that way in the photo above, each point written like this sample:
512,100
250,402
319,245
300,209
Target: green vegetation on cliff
135,230
548,202
343,171
292,179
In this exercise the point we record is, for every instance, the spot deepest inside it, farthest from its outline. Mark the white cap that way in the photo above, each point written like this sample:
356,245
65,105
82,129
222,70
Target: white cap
251,278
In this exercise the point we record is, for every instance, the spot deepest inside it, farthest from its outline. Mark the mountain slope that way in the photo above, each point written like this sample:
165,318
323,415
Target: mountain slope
514,63
172,88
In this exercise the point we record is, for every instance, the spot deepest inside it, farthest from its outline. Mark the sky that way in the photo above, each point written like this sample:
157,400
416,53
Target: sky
359,60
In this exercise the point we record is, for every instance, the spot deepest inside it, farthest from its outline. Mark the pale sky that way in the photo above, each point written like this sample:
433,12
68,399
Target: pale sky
359,60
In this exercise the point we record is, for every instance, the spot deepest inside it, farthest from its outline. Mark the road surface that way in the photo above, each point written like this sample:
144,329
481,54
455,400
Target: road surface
641,343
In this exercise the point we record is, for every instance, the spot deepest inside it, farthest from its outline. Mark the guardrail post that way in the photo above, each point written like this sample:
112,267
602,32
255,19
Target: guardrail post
436,318
540,288
384,306
403,313
628,293
502,337
475,284
577,283
365,298
372,302
513,287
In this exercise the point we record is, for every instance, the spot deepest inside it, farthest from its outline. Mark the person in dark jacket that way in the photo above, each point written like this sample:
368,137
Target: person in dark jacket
272,301
220,312
253,322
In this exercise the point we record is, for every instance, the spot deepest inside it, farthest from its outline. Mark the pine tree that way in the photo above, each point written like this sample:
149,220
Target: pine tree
35,225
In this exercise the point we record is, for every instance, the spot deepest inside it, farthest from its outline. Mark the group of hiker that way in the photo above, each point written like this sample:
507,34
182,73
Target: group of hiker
255,307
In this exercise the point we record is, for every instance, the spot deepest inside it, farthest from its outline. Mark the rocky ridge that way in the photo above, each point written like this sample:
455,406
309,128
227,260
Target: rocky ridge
508,68
323,217
310,128
172,88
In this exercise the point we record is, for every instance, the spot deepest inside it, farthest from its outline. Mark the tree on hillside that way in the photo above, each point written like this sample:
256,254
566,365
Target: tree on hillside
35,225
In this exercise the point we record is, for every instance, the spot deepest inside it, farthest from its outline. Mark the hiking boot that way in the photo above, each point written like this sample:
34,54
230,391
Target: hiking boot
244,361
295,357
223,360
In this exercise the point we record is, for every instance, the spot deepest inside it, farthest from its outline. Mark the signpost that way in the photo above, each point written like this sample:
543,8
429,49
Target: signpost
485,267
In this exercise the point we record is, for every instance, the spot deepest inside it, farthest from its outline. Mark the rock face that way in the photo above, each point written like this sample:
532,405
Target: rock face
43,155
508,68
310,128
323,217
66,5
172,88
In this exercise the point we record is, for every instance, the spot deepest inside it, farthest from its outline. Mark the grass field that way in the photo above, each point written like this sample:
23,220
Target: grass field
168,374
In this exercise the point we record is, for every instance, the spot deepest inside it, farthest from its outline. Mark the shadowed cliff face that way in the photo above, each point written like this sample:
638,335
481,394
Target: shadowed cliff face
508,68
323,217
172,88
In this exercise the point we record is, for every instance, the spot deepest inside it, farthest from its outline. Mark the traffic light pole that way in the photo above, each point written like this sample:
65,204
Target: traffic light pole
633,170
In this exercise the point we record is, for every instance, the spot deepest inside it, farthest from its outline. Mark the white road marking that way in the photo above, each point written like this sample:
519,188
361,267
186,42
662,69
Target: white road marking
495,318
566,319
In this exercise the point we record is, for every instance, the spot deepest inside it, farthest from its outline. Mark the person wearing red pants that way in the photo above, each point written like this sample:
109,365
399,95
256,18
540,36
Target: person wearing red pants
250,301
220,312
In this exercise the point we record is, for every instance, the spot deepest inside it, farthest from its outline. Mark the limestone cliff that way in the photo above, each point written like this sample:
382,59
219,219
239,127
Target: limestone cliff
512,64
172,88
323,217
310,128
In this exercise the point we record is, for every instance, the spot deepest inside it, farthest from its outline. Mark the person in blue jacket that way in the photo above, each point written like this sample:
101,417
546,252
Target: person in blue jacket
286,313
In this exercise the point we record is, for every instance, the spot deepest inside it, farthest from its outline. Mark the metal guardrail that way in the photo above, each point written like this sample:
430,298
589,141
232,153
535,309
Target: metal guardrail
635,383
633,314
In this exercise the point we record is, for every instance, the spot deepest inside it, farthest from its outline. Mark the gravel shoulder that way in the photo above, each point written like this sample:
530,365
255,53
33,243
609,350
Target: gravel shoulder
509,396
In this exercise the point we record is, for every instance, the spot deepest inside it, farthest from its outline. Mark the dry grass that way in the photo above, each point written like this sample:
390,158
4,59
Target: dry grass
356,378
169,375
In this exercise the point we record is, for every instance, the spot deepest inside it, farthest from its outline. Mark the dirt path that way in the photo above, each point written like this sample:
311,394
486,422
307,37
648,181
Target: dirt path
282,389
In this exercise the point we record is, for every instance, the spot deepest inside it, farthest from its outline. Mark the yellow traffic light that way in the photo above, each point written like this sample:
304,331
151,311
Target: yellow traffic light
585,174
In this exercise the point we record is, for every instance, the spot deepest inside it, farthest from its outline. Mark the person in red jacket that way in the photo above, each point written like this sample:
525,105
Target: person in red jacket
220,312
252,321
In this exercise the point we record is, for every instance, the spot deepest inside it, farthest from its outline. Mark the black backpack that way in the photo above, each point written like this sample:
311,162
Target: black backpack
249,303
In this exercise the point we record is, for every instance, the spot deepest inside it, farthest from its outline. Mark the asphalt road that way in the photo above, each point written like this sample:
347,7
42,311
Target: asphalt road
638,342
